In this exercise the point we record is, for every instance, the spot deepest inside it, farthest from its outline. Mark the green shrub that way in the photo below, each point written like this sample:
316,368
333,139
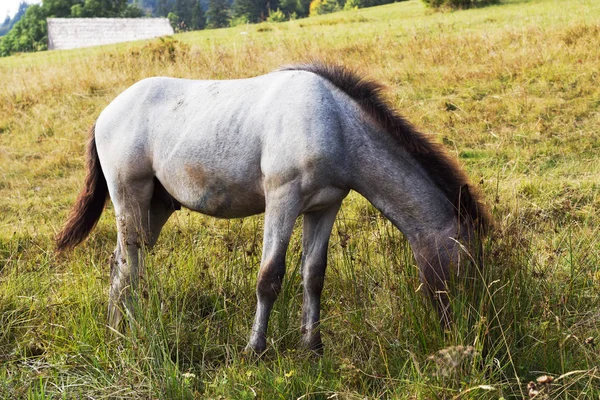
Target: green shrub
239,20
318,7
276,16
353,4
459,4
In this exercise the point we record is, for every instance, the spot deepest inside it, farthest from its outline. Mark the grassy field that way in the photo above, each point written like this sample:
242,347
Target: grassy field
511,90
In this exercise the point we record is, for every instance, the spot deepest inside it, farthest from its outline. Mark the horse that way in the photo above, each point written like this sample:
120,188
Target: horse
292,142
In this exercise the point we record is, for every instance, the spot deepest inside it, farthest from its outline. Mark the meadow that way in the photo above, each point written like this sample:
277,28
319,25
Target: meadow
511,90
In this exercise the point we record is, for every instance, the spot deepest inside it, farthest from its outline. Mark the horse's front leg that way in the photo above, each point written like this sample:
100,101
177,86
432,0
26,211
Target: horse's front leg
282,209
315,239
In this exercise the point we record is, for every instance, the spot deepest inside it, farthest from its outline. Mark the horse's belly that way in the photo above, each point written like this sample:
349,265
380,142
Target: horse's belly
220,194
226,203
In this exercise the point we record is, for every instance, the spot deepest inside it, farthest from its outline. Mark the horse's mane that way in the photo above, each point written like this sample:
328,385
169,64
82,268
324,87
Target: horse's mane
443,170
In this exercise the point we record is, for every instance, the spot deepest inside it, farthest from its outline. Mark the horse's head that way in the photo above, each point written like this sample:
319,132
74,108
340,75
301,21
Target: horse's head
447,252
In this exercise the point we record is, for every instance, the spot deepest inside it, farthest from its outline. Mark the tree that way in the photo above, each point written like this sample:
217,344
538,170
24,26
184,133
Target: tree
198,17
132,10
303,8
162,8
217,15
289,6
29,34
149,6
173,20
184,15
58,8
254,10
103,8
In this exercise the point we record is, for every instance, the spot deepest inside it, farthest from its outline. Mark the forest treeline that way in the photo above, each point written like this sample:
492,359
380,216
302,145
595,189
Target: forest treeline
27,30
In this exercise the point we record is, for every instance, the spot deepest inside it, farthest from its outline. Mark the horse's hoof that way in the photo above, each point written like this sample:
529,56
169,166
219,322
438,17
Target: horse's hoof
255,350
313,344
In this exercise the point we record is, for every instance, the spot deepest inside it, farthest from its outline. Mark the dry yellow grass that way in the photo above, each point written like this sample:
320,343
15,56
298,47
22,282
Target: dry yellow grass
511,90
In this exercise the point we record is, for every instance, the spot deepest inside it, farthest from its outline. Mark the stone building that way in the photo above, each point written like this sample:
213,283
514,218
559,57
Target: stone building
72,33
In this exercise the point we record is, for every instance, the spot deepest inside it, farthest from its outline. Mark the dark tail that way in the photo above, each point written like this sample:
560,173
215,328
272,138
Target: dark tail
90,203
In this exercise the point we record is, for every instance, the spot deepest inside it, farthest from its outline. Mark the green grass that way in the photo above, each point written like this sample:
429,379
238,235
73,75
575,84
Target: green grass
511,90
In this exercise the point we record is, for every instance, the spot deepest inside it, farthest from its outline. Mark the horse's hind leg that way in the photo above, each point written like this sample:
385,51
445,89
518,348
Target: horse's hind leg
315,239
282,209
141,211
162,206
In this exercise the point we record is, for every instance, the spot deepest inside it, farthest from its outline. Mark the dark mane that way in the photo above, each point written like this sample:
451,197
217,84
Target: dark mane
443,170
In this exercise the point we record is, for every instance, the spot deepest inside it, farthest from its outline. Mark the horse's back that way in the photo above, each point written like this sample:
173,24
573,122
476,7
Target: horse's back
214,144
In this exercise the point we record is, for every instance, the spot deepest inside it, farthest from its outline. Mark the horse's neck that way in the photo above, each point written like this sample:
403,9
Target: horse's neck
390,178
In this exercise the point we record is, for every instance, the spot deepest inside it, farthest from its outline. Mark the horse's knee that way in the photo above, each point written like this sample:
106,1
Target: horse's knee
269,281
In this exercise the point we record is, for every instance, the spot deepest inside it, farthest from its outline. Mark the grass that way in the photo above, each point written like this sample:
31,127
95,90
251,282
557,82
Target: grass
511,90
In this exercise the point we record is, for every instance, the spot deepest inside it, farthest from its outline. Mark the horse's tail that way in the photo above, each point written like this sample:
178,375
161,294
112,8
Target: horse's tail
90,203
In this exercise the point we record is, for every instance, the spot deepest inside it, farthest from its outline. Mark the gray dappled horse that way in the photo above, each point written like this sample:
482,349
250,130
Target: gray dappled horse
291,142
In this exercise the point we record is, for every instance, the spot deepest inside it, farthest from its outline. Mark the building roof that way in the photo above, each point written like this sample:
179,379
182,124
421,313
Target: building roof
72,33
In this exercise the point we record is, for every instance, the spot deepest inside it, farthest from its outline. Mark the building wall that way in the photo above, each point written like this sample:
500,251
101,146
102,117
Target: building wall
72,33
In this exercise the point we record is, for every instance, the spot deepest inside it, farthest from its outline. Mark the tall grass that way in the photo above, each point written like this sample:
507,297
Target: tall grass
510,90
